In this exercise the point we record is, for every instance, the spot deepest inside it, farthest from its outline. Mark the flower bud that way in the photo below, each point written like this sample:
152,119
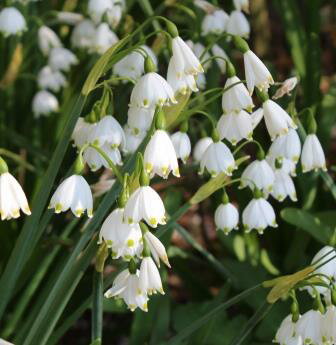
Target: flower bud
3,166
241,44
172,29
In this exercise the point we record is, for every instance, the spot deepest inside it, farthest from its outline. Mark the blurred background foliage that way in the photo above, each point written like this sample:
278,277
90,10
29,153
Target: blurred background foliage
293,38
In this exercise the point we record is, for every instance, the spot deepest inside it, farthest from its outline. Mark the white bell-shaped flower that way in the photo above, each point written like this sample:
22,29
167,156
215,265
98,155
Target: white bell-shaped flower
104,39
322,256
44,103
140,118
182,145
12,197
235,126
329,325
286,87
149,277
152,90
258,214
241,5
258,174
97,9
80,134
215,23
133,138
199,51
283,186
160,156
287,165
216,50
226,217
217,158
145,203
309,327
286,331
185,61
49,79
95,160
277,121
83,34
47,40
200,147
74,193
156,248
286,146
238,24
312,157
62,59
114,16
107,131
256,73
236,97
12,22
124,239
126,286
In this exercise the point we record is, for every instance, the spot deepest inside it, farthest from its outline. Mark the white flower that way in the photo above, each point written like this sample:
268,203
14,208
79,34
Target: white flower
149,277
217,158
235,126
236,97
286,146
296,340
114,15
83,34
107,131
95,160
12,22
124,239
258,214
312,157
288,166
47,40
134,138
286,87
44,103
257,117
215,23
286,331
74,193
156,248
204,5
145,203
309,327
160,156
199,51
322,256
201,147
50,79
218,51
241,5
126,286
4,342
256,73
182,145
226,217
12,197
258,174
152,90
278,122
81,132
132,65
140,118
328,325
283,186
62,59
97,8
104,39
70,18
200,81
238,24
185,61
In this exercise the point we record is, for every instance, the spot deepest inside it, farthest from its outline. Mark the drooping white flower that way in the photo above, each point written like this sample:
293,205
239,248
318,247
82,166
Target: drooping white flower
97,9
62,59
152,90
201,147
204,5
286,146
217,158
199,51
83,34
160,156
47,40
12,22
80,135
328,325
12,197
149,277
126,286
218,51
104,39
49,79
258,174
238,24
182,145
215,23
145,203
235,126
107,131
185,61
283,186
277,121
95,160
309,327
322,256
286,87
287,165
226,217
70,18
236,97
133,138
258,214
256,73
156,248
44,103
124,239
256,117
74,193
241,5
286,331
312,157
114,16
140,118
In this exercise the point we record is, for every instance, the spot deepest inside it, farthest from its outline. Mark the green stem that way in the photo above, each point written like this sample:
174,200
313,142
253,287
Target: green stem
97,307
